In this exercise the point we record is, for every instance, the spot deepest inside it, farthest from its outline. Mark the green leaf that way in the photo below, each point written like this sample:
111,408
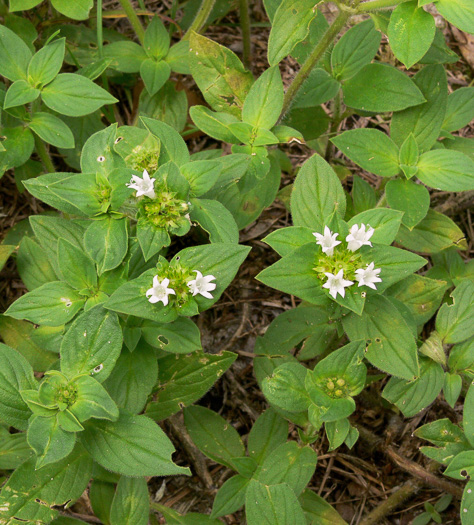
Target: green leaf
179,337
410,32
452,388
219,74
30,494
409,154
184,379
92,344
379,321
126,56
446,435
317,89
175,149
76,267
214,124
467,503
213,435
294,274
446,170
395,264
410,198
468,415
46,63
289,27
423,120
34,265
131,446
50,442
337,432
460,109
421,295
317,194
230,497
318,510
52,304
272,505
413,396
264,102
380,88
355,49
384,221
133,377
460,13
285,388
23,336
363,195
5,252
16,375
455,322
23,5
286,240
462,466
216,219
131,502
92,401
14,450
75,95
202,175
151,239
370,149
19,93
106,241
18,146
52,130
154,74
434,233
77,10
14,55
290,464
268,432
157,40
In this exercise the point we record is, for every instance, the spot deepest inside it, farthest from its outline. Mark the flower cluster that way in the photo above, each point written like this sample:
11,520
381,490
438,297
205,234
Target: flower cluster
201,285
161,209
347,261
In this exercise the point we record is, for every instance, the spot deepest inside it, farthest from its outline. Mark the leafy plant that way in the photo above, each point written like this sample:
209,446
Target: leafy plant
139,235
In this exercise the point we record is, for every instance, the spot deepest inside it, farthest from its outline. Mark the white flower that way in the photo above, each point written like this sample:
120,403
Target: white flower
369,276
202,285
327,241
336,283
159,291
359,237
143,186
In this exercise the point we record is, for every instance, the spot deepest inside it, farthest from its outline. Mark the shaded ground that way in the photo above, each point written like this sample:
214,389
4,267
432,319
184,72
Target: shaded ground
354,481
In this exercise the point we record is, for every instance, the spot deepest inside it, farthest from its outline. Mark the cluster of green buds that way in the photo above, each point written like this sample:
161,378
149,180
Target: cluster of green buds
334,267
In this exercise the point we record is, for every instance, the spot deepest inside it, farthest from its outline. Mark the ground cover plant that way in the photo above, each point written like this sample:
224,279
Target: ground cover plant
319,174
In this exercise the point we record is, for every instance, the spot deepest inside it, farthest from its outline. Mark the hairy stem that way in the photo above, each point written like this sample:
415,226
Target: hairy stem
44,155
314,58
133,18
245,26
201,18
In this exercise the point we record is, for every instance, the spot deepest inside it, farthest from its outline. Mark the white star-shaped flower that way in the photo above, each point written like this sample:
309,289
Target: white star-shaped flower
336,283
327,241
359,237
202,285
159,291
143,186
369,276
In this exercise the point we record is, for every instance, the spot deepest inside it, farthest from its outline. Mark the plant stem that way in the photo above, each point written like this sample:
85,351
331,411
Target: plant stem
201,18
382,201
133,18
314,58
44,155
377,4
336,120
100,38
245,26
